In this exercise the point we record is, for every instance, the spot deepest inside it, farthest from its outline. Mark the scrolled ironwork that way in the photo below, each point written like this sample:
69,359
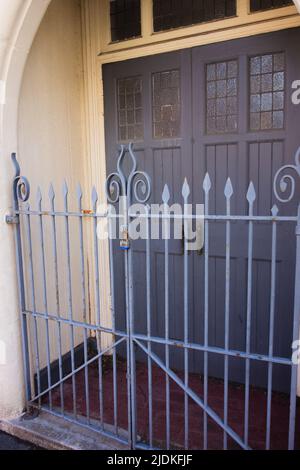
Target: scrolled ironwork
21,186
136,184
286,182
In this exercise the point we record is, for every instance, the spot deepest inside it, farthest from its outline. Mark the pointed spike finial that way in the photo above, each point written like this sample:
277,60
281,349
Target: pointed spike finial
79,191
185,189
166,194
51,192
251,194
39,195
65,189
274,210
94,196
207,183
228,191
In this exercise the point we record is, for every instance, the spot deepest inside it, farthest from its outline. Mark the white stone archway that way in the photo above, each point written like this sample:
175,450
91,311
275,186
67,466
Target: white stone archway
18,25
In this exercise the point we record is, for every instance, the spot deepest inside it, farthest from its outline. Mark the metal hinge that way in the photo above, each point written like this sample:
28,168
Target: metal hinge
12,219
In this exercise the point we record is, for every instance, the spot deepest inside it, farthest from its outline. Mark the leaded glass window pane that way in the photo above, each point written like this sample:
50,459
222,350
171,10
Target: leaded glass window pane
130,109
267,83
222,97
125,19
169,14
166,109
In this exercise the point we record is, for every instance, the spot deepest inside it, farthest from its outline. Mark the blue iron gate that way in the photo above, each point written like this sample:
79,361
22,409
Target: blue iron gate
68,369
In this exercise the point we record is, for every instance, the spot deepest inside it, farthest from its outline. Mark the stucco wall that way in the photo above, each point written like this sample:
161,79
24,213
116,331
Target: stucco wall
51,149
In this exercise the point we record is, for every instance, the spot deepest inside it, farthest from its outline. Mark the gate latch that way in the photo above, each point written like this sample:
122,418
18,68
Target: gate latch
124,242
12,219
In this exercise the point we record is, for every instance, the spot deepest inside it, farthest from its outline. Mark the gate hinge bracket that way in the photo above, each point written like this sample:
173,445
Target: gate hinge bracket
12,219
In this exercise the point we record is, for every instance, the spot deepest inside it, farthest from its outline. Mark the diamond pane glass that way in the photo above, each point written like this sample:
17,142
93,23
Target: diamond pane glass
222,97
267,83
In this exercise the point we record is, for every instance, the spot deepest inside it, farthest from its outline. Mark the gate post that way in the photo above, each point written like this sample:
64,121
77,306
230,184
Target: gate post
21,191
295,367
118,184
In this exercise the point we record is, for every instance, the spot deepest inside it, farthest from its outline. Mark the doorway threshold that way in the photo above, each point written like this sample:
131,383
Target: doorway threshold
54,433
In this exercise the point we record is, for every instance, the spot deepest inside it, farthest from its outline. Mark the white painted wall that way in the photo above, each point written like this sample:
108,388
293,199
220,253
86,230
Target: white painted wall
19,20
51,148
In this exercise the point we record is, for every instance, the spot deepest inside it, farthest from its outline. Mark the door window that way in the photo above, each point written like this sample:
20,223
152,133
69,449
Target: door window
166,108
222,97
267,83
130,109
169,14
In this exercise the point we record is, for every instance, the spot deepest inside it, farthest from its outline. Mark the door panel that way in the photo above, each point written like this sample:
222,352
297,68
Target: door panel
223,109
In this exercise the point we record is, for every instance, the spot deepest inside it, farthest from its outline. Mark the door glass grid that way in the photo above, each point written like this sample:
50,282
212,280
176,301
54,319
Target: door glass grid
130,109
267,83
222,97
166,107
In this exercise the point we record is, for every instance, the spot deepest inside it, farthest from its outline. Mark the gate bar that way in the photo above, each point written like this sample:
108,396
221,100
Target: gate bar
166,198
149,345
70,297
44,283
33,300
20,278
185,194
71,374
228,193
97,304
113,315
194,397
83,299
295,367
206,188
271,328
251,198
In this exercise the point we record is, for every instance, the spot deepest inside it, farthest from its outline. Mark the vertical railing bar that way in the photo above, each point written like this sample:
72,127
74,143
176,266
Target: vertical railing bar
45,300
70,302
296,323
251,197
271,333
149,346
113,315
131,438
21,285
22,304
130,309
84,309
185,193
32,286
206,311
227,319
167,352
132,350
97,302
57,297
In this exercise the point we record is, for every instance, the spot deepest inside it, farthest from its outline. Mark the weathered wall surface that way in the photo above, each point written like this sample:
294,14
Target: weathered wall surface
51,149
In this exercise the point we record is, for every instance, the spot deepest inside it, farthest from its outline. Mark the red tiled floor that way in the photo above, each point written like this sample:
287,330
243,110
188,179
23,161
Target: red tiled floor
257,410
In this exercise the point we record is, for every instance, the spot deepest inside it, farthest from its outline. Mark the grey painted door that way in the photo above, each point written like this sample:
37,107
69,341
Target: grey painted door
225,109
